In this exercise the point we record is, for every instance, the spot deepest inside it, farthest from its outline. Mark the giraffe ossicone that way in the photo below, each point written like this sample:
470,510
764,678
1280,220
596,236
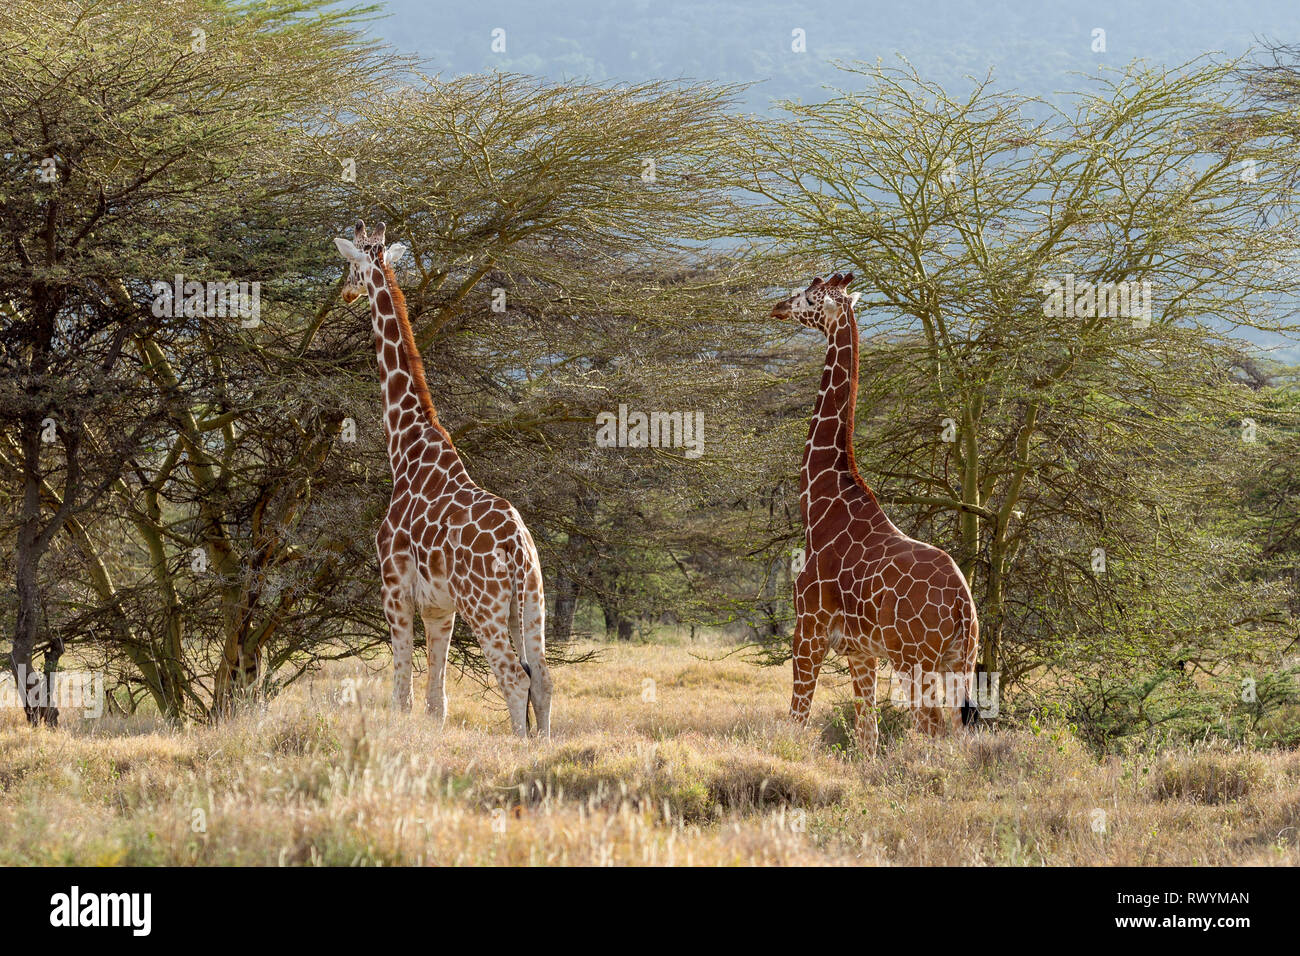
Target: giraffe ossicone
866,589
446,546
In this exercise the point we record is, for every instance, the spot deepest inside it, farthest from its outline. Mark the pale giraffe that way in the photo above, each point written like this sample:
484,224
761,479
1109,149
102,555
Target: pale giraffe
867,590
446,547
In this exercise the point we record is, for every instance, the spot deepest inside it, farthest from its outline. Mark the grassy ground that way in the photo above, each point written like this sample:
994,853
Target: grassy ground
658,757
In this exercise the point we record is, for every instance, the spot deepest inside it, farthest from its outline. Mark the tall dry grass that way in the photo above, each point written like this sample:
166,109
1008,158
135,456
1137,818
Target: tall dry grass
659,757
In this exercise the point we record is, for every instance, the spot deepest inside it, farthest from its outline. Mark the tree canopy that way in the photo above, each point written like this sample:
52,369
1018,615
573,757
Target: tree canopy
1063,375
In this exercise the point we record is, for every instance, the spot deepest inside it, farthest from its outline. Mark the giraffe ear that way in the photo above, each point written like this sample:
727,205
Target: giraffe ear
350,251
394,253
853,298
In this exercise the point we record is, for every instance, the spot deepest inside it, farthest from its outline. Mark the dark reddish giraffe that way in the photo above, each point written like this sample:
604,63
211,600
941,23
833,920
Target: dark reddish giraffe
867,590
446,547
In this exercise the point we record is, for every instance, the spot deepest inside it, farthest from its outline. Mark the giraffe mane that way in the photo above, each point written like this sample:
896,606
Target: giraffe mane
413,360
852,410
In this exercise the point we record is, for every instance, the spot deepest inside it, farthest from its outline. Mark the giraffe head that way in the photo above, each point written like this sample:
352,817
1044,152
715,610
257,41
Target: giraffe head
821,304
364,252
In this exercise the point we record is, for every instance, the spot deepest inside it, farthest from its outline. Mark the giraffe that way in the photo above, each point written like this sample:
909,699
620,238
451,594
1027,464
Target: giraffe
867,590
446,546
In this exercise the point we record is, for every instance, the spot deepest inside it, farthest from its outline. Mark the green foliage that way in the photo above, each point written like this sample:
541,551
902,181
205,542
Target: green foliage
1091,480
202,526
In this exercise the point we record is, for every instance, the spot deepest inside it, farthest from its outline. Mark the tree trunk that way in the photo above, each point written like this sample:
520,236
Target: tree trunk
1002,549
31,545
992,618
240,670
969,521
570,580
50,665
565,605
617,627
25,630
164,691
166,663
770,626
239,676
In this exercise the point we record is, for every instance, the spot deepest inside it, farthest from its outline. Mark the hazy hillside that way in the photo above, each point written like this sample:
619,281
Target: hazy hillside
1033,46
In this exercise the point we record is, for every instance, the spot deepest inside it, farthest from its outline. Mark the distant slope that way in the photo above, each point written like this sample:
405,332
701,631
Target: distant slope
1032,47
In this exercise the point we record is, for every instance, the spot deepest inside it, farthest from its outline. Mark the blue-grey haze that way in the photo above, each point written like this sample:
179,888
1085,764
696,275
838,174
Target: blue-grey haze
1036,48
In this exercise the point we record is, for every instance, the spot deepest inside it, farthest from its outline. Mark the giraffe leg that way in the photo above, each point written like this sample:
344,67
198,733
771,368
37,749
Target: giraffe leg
533,625
863,670
540,693
809,651
510,674
438,626
398,610
528,636
930,711
934,720
929,720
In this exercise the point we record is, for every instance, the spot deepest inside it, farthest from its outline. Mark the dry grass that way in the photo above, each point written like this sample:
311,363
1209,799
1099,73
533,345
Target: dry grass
709,771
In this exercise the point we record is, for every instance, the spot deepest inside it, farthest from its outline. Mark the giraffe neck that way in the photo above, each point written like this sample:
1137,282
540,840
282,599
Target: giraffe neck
411,423
830,472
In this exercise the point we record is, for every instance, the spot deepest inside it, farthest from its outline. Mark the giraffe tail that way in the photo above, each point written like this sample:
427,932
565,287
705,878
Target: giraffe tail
970,712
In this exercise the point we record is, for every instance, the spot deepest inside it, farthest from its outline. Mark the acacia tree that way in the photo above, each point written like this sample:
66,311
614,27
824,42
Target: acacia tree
119,125
131,136
226,547
557,275
1062,456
